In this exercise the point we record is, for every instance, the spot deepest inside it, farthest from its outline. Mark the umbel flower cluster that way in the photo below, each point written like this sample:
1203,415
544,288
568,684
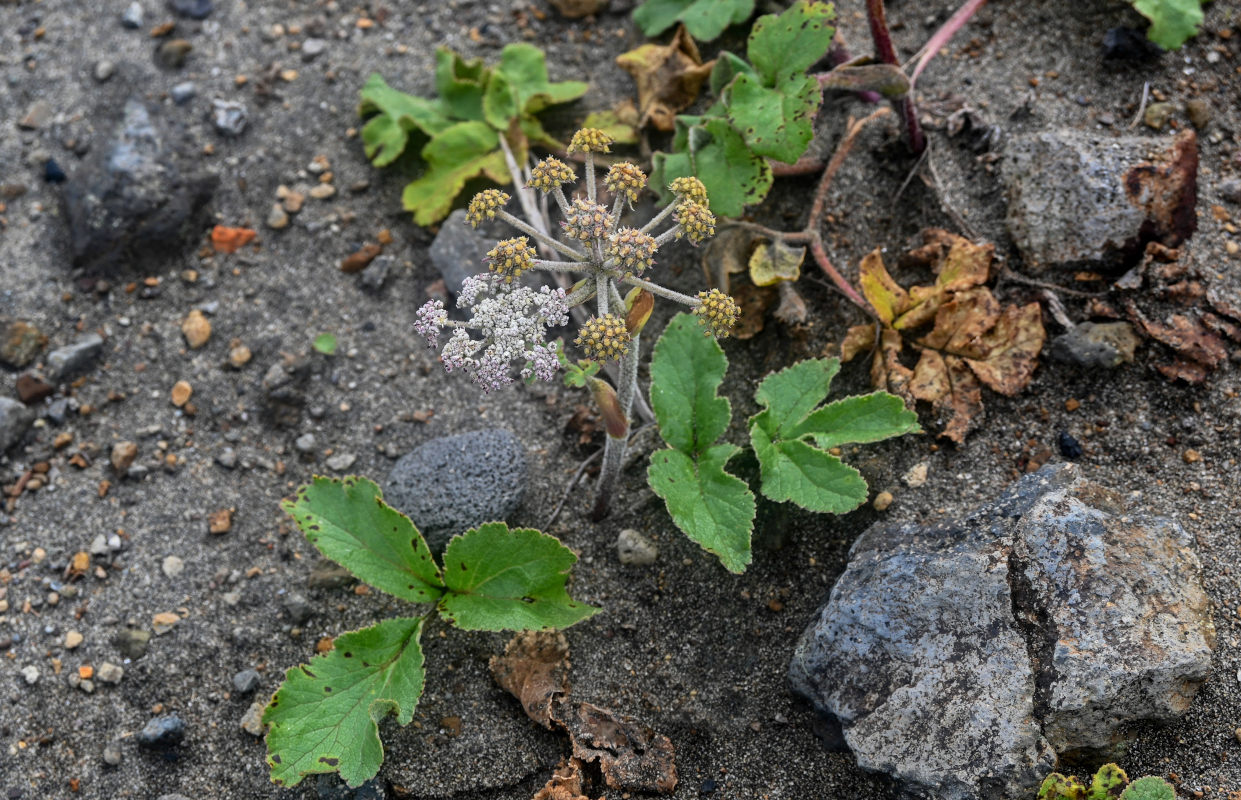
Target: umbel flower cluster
509,321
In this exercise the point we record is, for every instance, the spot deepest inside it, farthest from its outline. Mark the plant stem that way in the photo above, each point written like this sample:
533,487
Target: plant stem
590,176
660,217
614,449
601,293
882,37
660,291
539,236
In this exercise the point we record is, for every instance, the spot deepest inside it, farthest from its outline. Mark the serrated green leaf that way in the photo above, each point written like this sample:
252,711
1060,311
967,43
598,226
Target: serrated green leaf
461,84
525,68
712,507
792,393
777,123
1173,22
325,343
454,156
783,47
500,579
799,473
686,371
395,116
499,102
349,523
324,716
1149,788
727,66
716,154
704,19
1107,783
858,420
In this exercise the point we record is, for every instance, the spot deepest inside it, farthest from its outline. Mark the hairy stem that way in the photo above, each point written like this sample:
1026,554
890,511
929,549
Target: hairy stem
876,16
614,449
541,237
601,293
659,291
590,176
660,217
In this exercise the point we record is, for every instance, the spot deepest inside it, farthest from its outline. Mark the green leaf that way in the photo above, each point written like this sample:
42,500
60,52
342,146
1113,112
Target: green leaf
783,47
727,66
716,154
324,716
686,370
777,123
1172,21
499,102
461,84
349,523
712,507
1057,787
792,393
795,471
500,579
325,343
610,122
1108,783
704,19
858,420
525,68
1149,788
396,116
454,156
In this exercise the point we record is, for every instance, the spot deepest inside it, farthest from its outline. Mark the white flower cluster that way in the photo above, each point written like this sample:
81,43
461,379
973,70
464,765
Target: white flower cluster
513,322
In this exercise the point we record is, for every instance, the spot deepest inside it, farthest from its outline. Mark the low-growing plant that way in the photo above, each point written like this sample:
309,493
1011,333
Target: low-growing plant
325,715
512,318
1173,22
792,438
704,19
478,107
1109,783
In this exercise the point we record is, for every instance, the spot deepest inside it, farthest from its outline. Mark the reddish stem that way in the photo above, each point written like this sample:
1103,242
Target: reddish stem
882,37
806,165
838,55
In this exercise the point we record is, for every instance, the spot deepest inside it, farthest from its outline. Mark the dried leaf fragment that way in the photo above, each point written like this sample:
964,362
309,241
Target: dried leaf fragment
535,670
668,77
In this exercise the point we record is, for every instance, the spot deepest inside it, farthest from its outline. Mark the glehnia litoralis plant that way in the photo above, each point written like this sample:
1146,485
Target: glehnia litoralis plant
510,320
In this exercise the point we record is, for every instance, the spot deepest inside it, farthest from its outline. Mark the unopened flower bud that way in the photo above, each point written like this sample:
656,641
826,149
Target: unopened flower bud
550,173
511,257
625,179
632,250
697,223
689,188
590,140
586,220
604,338
484,206
718,312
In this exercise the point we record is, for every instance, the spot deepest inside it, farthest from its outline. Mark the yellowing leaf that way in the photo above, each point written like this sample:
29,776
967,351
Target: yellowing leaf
887,298
772,262
668,78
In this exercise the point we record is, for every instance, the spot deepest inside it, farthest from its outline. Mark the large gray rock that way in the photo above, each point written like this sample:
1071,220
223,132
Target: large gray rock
451,484
1091,198
459,251
961,658
15,418
132,200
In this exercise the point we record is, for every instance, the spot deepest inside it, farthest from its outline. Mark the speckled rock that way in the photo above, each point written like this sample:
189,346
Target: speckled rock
451,484
15,418
961,658
1081,198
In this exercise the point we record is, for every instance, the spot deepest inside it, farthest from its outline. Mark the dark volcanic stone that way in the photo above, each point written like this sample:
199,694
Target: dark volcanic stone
65,362
961,658
454,483
331,787
132,200
162,732
194,9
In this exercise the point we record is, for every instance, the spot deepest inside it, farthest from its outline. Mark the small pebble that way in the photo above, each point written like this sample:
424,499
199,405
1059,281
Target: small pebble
1070,448
916,476
220,521
252,721
132,642
37,115
172,566
31,674
196,328
634,549
322,191
229,117
52,172
247,681
238,356
132,16
1191,456
277,218
882,501
73,639
173,53
110,673
227,458
181,393
123,455
1157,115
305,443
183,93
312,48
112,754
1199,112
341,461
298,608
104,69
162,732
194,9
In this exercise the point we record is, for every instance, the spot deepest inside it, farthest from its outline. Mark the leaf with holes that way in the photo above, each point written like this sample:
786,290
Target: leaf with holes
324,717
500,579
349,523
777,123
713,151
783,47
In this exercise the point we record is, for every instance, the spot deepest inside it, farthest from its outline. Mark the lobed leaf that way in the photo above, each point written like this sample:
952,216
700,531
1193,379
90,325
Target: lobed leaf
457,154
501,579
792,393
1149,788
1173,22
795,471
325,715
461,84
349,523
705,19
687,369
524,68
1057,787
783,47
1107,783
712,507
859,420
394,115
713,151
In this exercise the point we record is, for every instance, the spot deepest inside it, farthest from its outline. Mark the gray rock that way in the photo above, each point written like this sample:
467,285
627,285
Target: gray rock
132,16
961,658
37,115
376,273
341,461
247,682
31,674
451,484
1091,344
194,9
110,673
312,48
183,92
162,732
132,201
459,251
229,117
634,549
1091,198
66,362
305,443
299,609
227,458
112,753
104,69
15,419
132,642
1230,190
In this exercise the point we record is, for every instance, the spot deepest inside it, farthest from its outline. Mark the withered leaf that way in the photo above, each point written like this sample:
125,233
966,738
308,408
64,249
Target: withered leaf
859,339
1012,349
632,757
565,783
725,255
773,262
961,322
1182,369
953,391
882,292
792,308
754,302
535,670
887,370
1189,338
668,77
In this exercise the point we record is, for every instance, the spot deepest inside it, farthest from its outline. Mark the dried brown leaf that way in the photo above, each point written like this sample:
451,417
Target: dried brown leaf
888,371
1189,338
961,322
754,302
535,670
725,255
859,339
953,391
565,783
668,77
1183,370
773,262
1012,349
882,292
632,757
